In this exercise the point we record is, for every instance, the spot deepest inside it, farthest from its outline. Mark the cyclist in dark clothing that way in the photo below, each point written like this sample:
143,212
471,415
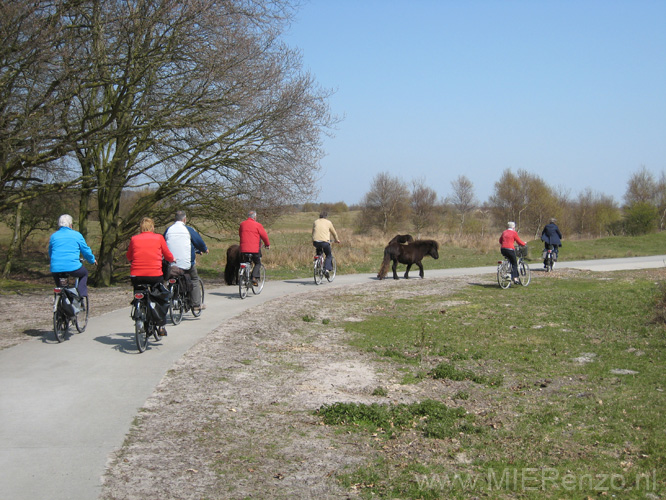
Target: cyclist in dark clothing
552,238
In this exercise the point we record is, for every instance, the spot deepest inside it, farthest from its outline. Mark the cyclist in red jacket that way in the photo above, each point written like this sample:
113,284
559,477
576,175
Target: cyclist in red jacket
507,241
145,254
252,233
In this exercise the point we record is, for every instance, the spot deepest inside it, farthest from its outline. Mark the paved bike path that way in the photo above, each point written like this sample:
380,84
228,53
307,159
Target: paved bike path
65,407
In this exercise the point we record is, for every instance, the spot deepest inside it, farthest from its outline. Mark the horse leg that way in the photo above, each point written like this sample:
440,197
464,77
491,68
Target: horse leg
420,269
395,269
407,271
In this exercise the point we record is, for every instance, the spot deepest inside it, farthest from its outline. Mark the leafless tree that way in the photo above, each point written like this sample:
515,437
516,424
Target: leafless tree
463,198
386,205
424,210
524,198
33,90
196,103
641,188
594,213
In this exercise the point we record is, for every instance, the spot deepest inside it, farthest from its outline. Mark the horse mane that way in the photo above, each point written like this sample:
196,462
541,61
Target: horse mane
424,243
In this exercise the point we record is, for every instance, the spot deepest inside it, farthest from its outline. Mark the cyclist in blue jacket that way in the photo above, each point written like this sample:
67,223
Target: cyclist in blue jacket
65,249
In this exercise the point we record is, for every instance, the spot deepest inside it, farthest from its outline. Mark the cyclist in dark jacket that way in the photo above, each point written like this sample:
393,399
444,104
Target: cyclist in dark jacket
552,238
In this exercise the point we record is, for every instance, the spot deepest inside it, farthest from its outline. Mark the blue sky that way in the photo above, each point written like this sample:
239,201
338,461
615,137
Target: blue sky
571,90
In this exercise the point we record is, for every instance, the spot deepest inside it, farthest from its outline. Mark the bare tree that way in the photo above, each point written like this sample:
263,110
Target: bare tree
34,88
641,188
386,205
196,103
423,203
642,203
524,198
661,200
463,198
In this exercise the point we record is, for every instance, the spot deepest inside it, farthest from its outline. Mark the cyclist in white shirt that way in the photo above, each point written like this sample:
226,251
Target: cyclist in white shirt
184,243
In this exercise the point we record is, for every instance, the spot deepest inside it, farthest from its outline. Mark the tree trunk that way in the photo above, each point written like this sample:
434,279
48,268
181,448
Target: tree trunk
108,199
14,243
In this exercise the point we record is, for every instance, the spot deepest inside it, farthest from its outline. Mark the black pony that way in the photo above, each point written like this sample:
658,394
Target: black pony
410,253
233,265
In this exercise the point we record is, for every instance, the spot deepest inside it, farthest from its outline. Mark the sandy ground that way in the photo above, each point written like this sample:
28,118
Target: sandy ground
236,417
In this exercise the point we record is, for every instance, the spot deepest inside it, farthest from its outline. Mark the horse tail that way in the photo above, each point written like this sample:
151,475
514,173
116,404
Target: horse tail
383,270
233,265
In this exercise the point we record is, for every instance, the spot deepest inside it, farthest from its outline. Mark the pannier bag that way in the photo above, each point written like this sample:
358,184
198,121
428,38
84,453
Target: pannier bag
71,301
158,304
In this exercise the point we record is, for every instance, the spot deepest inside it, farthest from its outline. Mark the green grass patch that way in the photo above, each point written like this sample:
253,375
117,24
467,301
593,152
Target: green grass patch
446,370
433,418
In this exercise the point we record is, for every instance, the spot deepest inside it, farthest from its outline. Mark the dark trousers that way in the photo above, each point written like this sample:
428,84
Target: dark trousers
146,280
255,258
554,248
325,246
81,273
510,254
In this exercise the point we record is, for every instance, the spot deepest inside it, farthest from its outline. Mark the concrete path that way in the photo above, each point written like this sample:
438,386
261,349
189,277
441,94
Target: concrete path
65,407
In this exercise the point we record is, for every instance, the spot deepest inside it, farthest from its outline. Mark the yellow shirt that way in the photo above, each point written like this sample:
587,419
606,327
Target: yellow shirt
322,230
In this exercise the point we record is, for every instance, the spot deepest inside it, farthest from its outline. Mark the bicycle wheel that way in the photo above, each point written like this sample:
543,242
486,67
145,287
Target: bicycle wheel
81,319
503,276
331,273
176,304
243,282
256,289
154,331
59,321
524,274
197,312
140,324
318,271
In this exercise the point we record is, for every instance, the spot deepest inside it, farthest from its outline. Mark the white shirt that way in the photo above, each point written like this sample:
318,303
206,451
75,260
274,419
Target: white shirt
180,244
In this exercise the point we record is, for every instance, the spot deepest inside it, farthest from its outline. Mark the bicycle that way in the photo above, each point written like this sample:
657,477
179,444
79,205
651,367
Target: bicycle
144,324
245,281
549,257
68,307
181,299
318,268
504,270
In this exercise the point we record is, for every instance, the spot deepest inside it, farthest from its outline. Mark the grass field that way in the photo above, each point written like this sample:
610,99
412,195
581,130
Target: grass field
562,392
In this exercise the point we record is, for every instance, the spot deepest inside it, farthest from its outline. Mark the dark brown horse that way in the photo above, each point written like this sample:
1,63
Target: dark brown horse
410,253
233,265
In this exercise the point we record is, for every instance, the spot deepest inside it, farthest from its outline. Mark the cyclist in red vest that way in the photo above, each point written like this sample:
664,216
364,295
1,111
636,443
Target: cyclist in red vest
252,233
507,241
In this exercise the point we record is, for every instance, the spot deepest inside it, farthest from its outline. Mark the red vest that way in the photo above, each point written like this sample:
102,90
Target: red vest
251,235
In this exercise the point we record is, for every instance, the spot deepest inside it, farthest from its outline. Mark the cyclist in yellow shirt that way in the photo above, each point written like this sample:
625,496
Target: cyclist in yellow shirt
322,233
